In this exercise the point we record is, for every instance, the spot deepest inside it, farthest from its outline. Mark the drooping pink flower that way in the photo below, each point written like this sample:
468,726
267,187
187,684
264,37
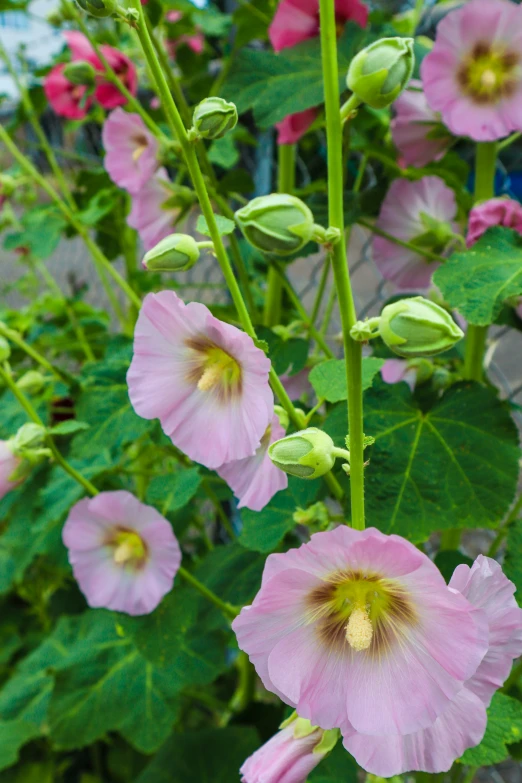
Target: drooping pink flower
124,554
417,131
414,212
8,464
203,379
473,74
495,212
397,370
67,99
288,757
293,127
150,213
130,150
255,480
358,630
298,20
463,722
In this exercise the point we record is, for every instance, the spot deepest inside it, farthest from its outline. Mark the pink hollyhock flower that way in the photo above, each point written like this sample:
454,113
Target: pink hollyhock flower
397,370
418,212
195,42
130,150
8,464
150,214
290,755
462,724
123,553
417,131
203,379
298,20
358,630
293,127
67,99
473,74
298,384
495,212
255,480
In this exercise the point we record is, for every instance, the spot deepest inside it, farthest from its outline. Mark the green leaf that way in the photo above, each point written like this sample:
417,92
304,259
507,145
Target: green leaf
41,234
329,378
225,225
504,728
263,530
209,756
69,427
14,734
170,493
100,205
478,281
232,572
447,561
224,152
287,356
513,556
276,85
453,466
337,766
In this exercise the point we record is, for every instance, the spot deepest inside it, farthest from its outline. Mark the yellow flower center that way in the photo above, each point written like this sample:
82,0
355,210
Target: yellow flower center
487,75
359,631
138,152
212,369
129,548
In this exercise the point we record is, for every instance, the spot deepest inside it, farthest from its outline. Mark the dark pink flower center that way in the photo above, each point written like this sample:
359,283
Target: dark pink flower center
489,74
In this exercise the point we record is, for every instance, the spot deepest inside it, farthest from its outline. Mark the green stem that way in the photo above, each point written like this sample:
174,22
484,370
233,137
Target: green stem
510,139
17,339
476,336
33,415
401,242
503,531
225,521
320,290
228,610
352,349
470,774
173,82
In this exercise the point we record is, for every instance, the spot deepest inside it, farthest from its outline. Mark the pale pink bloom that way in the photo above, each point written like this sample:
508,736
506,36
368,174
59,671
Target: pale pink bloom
149,215
203,379
473,74
463,722
297,385
124,554
495,212
417,131
358,630
130,150
8,464
195,42
284,758
293,127
402,212
255,480
66,99
397,370
298,20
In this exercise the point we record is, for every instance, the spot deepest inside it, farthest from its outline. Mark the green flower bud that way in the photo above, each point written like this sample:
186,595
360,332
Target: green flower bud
5,350
381,71
29,436
99,8
418,327
31,382
213,118
175,253
81,73
277,223
307,454
7,185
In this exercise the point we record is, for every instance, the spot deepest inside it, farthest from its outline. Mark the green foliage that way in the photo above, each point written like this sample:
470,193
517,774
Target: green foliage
41,231
513,557
225,225
338,766
287,354
504,728
329,378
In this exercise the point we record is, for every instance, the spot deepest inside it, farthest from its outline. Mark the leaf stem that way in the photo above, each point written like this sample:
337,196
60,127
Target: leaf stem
401,242
228,610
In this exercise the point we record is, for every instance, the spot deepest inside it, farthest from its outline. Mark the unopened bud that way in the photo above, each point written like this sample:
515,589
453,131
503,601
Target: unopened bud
29,436
31,382
418,327
307,454
80,73
315,516
277,223
381,71
175,253
5,350
98,8
7,185
213,118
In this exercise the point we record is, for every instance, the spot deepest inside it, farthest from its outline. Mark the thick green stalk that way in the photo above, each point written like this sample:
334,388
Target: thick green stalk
285,184
476,336
352,349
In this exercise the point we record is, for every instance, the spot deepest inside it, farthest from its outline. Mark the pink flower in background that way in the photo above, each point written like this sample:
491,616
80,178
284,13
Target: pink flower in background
358,630
518,308
124,554
130,150
417,130
397,370
195,42
463,723
149,215
203,379
8,464
495,212
408,212
67,99
473,74
293,127
298,20
298,384
255,480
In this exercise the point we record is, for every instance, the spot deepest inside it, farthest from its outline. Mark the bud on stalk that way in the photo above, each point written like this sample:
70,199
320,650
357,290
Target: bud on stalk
381,71
98,8
418,327
80,73
278,223
307,454
175,253
213,118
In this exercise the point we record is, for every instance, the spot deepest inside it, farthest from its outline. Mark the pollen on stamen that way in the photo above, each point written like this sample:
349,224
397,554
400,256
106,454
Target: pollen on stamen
488,79
359,631
123,553
210,377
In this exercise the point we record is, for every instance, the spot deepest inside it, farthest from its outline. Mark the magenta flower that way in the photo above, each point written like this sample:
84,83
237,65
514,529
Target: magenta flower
66,99
130,150
124,554
294,126
150,214
358,630
298,20
414,212
462,724
255,480
203,379
417,131
8,465
495,212
473,74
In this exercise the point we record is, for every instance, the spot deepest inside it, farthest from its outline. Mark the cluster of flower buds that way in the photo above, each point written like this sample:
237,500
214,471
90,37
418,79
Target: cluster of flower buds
380,72
175,253
307,454
212,119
